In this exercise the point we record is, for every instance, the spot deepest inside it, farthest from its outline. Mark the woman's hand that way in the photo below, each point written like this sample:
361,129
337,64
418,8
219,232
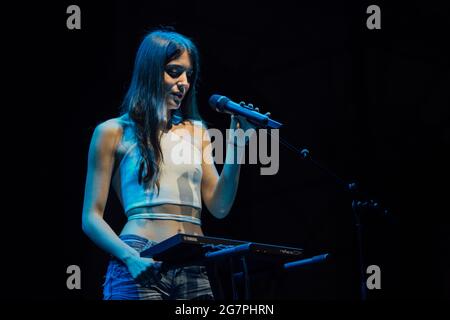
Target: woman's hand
239,122
143,270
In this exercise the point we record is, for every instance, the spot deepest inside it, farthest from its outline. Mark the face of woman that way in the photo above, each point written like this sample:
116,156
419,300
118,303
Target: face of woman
177,77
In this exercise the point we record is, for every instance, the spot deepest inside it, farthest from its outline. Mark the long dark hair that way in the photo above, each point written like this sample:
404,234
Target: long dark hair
145,99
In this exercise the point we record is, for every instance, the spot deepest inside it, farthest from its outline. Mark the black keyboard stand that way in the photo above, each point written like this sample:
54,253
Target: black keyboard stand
243,252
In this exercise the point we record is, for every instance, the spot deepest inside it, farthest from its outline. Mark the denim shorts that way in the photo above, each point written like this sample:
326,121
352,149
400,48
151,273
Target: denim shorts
186,283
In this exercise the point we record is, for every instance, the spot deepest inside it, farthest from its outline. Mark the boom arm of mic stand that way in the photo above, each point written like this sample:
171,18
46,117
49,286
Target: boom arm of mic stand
356,204
352,187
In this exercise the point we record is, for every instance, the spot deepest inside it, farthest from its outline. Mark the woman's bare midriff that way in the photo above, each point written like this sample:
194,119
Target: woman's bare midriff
159,230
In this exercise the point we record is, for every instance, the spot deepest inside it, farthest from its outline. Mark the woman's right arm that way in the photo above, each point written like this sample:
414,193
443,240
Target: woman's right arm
100,166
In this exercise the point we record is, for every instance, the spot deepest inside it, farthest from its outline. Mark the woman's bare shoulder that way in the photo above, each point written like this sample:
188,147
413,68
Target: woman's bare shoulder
111,130
110,126
118,124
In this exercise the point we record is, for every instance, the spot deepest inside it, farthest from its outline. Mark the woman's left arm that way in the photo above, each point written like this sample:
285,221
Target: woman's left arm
219,192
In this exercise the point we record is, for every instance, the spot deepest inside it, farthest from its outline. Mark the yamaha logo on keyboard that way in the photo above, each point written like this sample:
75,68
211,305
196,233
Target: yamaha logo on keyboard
290,252
190,238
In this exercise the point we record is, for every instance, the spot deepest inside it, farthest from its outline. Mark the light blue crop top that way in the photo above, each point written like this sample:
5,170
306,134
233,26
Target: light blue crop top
180,175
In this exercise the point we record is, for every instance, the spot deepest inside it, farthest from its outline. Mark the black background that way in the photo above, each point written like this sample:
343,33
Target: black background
370,105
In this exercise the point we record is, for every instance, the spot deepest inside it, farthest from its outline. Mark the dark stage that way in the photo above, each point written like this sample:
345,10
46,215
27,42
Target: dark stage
371,105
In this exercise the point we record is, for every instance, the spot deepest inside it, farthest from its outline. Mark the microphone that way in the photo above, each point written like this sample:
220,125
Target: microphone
225,105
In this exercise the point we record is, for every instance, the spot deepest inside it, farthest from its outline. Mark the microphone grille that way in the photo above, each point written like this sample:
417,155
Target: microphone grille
218,102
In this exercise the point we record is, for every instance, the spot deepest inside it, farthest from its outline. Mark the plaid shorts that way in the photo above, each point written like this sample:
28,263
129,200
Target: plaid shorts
187,283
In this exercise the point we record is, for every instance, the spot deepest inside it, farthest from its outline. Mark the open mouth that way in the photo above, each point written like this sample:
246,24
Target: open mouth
177,97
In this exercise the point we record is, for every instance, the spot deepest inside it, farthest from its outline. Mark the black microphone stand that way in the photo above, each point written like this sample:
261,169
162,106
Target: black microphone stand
359,201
